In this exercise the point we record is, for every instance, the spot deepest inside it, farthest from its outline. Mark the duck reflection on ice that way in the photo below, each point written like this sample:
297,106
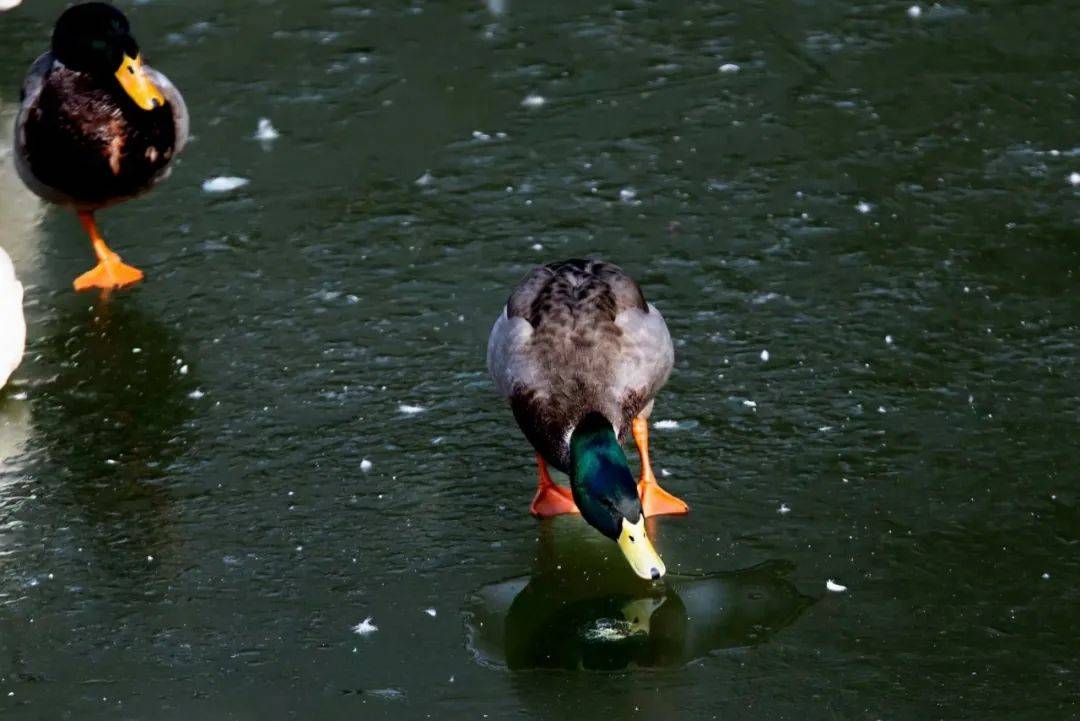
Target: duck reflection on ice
575,618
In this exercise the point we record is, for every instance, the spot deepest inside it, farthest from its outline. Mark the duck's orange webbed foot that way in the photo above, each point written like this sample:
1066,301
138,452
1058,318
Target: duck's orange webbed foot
551,499
655,501
110,272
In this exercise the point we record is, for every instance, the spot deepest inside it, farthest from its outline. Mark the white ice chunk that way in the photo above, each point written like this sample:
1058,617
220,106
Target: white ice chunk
425,180
406,408
431,612
532,100
764,356
266,131
863,207
223,184
749,403
665,425
365,627
1074,178
783,509
627,194
914,11
835,587
729,68
888,340
196,394
365,465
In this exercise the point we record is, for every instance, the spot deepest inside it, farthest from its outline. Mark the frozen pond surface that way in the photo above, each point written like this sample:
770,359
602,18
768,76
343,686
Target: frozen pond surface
883,199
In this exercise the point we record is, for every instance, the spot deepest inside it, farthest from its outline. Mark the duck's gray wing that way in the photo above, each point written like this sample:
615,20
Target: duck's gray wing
176,104
647,357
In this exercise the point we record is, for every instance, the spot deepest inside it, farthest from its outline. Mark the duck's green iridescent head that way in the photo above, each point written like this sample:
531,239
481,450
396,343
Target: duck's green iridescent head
605,493
95,38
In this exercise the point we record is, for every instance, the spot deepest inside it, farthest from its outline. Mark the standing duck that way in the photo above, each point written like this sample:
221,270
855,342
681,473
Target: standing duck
12,322
97,126
581,356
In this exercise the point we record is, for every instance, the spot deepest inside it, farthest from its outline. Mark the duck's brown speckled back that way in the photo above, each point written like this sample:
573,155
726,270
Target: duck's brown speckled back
577,336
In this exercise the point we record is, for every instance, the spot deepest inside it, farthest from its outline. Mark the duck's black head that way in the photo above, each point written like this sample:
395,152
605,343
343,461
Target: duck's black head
95,38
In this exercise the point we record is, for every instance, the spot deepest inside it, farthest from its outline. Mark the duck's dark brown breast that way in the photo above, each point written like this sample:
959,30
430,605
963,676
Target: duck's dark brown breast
88,144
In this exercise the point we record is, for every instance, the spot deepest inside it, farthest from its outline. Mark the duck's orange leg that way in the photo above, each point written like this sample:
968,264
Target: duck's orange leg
110,272
655,501
551,499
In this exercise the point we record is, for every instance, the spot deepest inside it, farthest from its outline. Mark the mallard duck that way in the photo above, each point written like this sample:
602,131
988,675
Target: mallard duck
581,356
12,322
97,126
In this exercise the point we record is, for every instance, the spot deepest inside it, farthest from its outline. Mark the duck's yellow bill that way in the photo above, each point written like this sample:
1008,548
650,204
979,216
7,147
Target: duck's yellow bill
135,82
639,551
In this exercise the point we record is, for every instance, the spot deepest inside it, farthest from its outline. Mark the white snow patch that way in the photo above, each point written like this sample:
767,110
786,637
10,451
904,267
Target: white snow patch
537,246
431,612
223,184
764,356
863,207
729,68
406,408
532,100
365,627
749,403
266,131
666,425
888,340
627,194
365,465
835,587
784,508
481,136
1074,178
425,180
1046,576
914,11
184,370
196,394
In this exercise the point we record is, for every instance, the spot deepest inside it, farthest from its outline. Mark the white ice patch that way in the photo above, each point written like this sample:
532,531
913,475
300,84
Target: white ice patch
266,131
835,587
532,100
196,394
863,207
1074,179
627,195
764,356
223,184
914,11
365,465
431,612
783,509
406,408
729,68
749,403
424,180
365,627
888,340
610,630
665,425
